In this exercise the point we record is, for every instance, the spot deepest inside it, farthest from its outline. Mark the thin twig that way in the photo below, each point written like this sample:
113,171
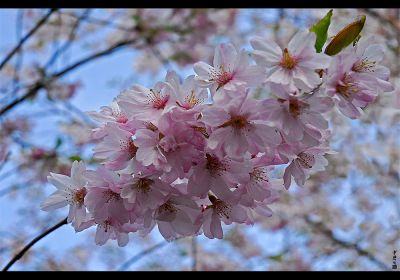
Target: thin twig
194,253
70,40
26,37
140,255
30,244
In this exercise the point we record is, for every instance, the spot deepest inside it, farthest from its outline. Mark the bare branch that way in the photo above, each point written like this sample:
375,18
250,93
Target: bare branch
33,242
26,37
142,254
194,253
42,84
70,39
319,226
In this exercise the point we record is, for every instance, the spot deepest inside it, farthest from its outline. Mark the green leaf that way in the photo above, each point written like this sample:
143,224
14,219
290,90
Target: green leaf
75,157
59,142
345,36
321,30
277,258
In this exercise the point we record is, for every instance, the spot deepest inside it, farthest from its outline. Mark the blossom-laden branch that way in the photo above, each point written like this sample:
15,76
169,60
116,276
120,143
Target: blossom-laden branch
33,242
171,159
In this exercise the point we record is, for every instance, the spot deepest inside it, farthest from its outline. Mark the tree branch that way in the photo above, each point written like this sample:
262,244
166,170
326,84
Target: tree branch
353,246
69,41
30,244
26,37
194,253
41,84
140,255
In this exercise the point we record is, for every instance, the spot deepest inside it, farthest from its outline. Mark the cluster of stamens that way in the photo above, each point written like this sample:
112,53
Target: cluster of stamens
296,107
79,196
214,165
258,175
110,195
167,207
222,208
143,185
157,100
128,146
364,65
191,100
222,77
288,61
305,160
237,122
347,87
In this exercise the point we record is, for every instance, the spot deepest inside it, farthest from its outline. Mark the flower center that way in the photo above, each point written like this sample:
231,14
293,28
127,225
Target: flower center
151,126
167,207
222,208
143,185
157,99
237,122
129,147
121,118
258,175
110,195
202,130
191,100
214,165
106,225
132,149
296,107
346,88
222,77
364,65
79,196
305,160
288,61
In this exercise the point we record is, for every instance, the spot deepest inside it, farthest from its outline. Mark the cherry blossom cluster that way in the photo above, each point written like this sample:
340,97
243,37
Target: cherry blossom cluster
187,155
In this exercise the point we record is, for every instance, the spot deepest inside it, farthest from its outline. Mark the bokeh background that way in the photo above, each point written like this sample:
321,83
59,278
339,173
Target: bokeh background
76,60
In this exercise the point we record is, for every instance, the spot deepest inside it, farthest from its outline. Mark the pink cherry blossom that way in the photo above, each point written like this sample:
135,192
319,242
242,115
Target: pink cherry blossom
117,148
238,127
294,66
218,174
111,228
365,56
296,116
302,161
231,70
189,96
70,191
103,198
218,211
145,192
260,185
351,91
177,217
146,104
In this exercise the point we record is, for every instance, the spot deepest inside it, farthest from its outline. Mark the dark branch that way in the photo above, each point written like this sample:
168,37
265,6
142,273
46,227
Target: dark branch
194,253
27,247
39,85
319,226
70,40
26,37
140,255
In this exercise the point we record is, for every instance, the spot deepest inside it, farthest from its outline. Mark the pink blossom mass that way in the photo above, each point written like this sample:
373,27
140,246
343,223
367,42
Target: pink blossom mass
191,155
